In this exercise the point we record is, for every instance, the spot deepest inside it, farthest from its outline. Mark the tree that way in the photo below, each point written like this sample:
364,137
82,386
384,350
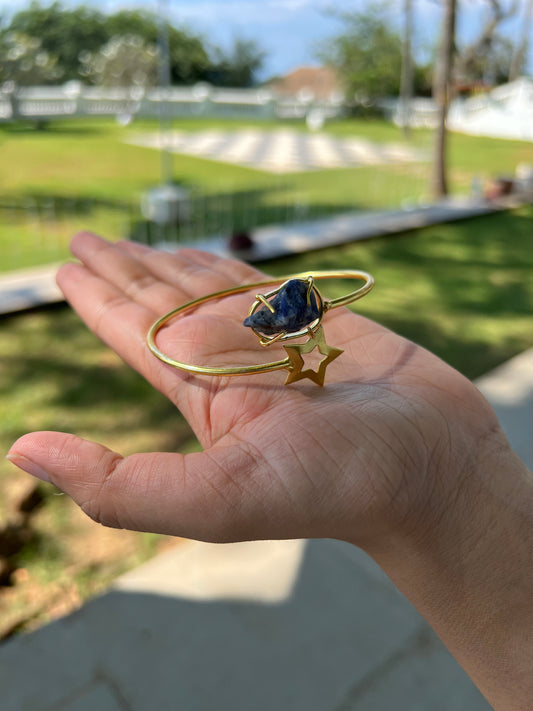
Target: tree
239,66
367,54
125,60
188,57
24,61
70,34
520,53
62,33
488,58
442,90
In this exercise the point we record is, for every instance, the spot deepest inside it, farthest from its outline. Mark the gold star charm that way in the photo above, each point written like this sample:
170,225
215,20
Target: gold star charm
297,362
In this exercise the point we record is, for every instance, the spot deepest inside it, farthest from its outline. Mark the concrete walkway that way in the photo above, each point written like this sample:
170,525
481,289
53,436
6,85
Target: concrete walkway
33,287
284,625
27,288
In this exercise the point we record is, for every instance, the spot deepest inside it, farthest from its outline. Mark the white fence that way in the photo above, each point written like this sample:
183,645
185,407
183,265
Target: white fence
504,112
75,99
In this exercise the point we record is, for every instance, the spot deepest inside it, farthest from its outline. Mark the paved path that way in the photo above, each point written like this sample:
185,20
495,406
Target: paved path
27,288
280,151
32,287
292,625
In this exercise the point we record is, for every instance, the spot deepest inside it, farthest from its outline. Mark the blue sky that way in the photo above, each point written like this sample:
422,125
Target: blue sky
291,30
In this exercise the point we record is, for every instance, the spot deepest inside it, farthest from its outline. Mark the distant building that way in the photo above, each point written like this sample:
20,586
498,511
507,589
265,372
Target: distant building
310,85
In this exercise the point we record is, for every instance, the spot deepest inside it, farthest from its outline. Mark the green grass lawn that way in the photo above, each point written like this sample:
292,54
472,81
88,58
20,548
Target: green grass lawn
80,174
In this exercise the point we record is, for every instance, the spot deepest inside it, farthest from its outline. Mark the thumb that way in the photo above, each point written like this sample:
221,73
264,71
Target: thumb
191,495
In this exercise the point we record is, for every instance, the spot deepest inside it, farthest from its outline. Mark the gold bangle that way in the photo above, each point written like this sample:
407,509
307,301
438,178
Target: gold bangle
295,309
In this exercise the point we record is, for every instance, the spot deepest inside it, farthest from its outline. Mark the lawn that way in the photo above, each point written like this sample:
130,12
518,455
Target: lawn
81,174
463,290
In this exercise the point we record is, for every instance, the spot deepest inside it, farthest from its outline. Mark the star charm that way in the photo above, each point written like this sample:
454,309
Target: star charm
297,362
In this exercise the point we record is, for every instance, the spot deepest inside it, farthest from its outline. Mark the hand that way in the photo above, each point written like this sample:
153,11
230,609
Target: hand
398,453
380,450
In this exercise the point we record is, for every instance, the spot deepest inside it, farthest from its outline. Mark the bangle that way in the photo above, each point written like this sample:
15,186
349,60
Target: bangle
294,309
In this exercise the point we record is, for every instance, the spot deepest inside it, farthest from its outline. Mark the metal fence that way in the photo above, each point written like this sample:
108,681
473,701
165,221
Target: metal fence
37,229
74,99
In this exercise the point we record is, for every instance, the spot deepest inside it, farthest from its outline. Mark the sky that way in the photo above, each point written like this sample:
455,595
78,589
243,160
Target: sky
291,31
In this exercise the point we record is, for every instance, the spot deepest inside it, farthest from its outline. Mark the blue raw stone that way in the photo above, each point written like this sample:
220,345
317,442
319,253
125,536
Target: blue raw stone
292,312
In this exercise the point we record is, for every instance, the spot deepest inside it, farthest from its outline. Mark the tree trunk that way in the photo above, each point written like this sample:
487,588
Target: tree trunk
520,53
406,86
441,94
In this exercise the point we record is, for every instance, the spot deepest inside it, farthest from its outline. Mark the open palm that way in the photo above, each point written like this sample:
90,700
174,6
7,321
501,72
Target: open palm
357,459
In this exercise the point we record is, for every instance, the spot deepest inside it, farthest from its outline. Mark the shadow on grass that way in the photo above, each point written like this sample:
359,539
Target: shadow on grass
114,388
207,211
76,384
29,127
462,290
63,204
473,356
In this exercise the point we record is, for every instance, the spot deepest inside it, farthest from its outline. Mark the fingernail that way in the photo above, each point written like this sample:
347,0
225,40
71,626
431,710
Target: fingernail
28,466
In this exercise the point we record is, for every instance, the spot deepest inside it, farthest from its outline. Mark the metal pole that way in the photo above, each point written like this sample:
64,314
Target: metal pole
164,86
406,84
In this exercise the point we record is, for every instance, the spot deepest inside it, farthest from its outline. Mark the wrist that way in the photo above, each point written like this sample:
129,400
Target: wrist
468,568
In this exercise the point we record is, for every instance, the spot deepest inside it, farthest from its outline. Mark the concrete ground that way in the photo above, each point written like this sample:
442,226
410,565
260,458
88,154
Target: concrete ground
302,626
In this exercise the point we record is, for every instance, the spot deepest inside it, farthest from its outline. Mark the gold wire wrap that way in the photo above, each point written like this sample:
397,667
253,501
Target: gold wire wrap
260,367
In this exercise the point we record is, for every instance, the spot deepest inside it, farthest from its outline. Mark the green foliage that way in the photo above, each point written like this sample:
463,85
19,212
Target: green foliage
78,43
126,60
367,55
239,66
189,59
63,33
24,60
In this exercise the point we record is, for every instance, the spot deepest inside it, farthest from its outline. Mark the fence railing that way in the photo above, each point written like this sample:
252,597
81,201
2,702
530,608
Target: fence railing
75,99
37,229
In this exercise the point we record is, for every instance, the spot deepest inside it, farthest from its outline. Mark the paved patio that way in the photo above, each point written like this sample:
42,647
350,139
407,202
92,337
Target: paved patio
281,150
302,626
